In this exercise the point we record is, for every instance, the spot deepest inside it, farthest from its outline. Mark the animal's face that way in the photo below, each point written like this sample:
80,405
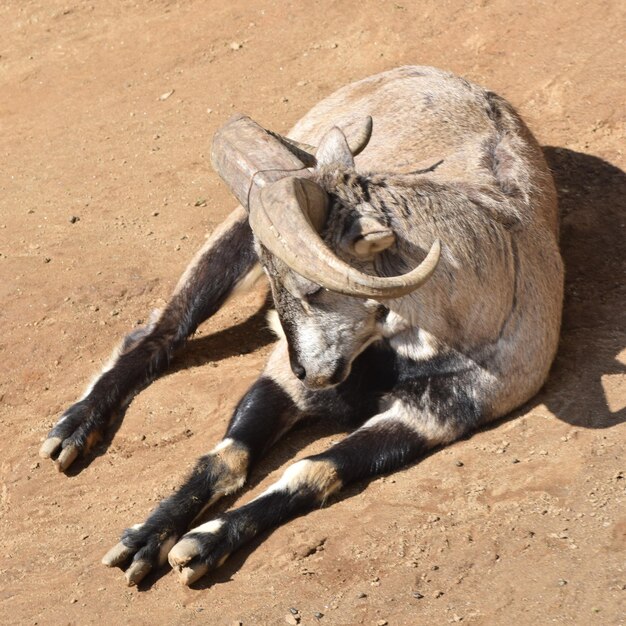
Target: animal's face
325,331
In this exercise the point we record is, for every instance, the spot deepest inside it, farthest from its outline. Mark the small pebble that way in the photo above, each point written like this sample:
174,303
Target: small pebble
235,45
291,619
562,582
293,611
417,595
74,219
318,615
166,95
438,594
47,259
361,595
459,464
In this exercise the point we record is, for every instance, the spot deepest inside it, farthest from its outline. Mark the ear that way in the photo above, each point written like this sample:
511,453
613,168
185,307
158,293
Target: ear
334,150
367,237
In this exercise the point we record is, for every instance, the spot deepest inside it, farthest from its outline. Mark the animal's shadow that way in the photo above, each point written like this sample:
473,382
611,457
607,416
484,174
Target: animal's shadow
592,207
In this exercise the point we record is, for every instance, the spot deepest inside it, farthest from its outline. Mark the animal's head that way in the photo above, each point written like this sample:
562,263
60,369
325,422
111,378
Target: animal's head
318,235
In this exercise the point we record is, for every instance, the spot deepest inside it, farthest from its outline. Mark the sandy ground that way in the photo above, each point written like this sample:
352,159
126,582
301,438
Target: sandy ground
523,523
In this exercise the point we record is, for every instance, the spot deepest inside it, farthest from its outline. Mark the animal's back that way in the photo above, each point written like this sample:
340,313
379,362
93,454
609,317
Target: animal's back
424,115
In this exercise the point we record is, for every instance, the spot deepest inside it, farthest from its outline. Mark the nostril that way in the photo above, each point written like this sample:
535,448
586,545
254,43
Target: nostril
299,371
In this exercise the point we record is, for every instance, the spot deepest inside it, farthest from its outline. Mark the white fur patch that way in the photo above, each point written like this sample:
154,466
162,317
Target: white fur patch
211,527
421,422
273,321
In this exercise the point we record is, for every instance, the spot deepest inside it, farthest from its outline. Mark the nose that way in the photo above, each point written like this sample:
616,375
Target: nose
298,370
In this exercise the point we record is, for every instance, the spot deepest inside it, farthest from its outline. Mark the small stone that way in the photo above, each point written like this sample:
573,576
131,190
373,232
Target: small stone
457,618
438,594
562,582
459,463
236,45
155,213
74,219
417,595
515,461
361,595
34,466
382,622
237,623
294,611
318,615
47,259
166,95
291,619
73,601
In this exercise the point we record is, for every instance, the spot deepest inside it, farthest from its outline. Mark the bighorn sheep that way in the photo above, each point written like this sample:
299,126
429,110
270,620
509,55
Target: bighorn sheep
418,289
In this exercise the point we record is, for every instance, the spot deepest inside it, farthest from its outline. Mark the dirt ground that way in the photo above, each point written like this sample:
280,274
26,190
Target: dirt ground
107,110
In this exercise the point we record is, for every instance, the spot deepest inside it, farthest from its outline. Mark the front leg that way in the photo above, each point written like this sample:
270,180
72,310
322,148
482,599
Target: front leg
220,268
274,403
263,414
384,443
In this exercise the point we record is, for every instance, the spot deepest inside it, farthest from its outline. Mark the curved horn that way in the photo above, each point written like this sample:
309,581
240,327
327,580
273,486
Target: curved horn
286,215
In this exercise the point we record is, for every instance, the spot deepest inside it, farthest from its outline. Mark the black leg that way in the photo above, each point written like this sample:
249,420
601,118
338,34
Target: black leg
426,409
220,267
381,445
274,403
261,416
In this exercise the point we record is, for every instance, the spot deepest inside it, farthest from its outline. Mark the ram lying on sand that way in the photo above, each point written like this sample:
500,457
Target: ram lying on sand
418,288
